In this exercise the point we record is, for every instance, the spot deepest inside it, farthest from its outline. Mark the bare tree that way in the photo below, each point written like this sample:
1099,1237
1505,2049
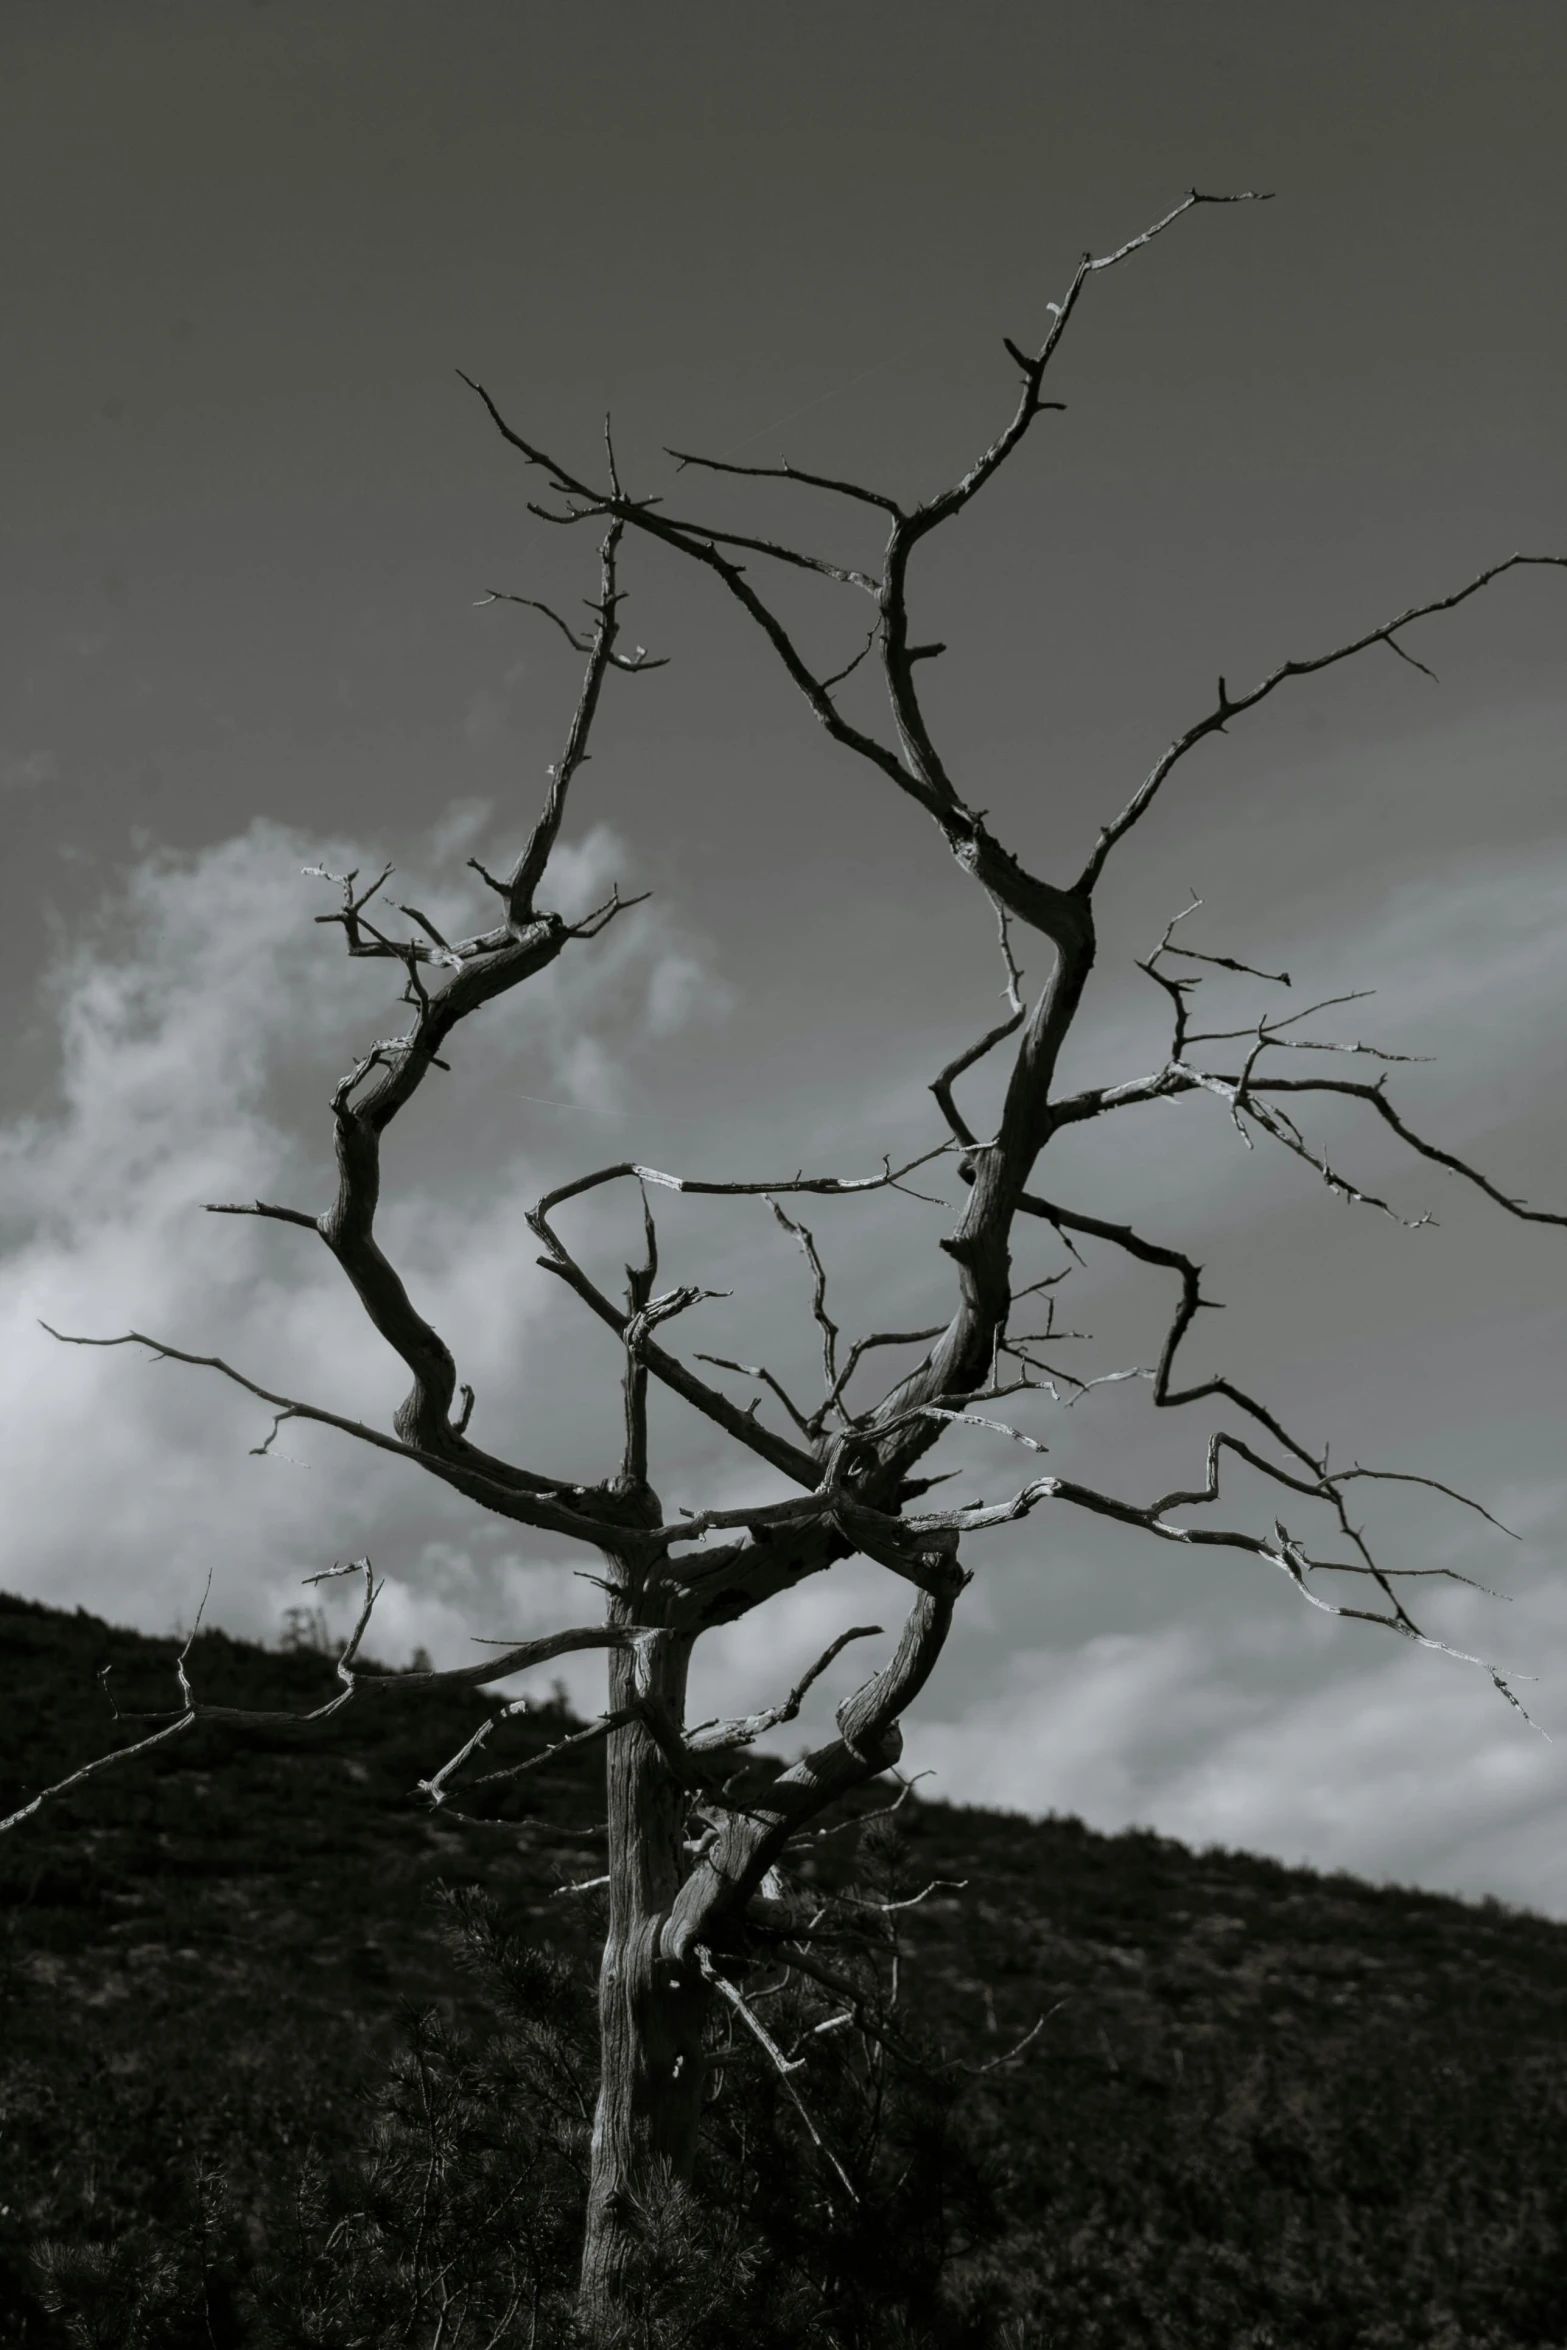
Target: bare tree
697,1880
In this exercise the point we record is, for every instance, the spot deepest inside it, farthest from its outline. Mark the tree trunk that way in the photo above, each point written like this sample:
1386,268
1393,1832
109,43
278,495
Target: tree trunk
651,2011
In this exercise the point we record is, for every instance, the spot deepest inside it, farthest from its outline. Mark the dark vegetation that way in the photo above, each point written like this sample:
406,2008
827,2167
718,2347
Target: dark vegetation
275,2072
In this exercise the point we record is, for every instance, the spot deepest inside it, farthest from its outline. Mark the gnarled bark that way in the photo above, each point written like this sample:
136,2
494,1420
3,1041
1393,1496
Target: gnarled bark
652,2009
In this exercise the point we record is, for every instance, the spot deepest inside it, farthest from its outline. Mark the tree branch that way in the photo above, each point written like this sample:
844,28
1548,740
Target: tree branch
639,1291
1227,708
783,471
1377,1100
942,1086
510,1492
519,1657
481,968
819,1314
261,1207
1283,1552
802,1466
725,1877
722,1737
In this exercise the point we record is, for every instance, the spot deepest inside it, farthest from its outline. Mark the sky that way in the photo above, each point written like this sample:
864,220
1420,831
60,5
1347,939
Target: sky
251,520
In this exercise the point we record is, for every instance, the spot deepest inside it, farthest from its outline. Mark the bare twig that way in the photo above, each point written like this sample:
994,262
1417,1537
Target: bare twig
1230,706
534,1501
942,1086
786,472
1013,2053
90,1770
721,1736
784,2065
824,1321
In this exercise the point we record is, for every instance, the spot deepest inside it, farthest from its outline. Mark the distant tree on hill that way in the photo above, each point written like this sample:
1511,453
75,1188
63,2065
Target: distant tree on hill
700,1890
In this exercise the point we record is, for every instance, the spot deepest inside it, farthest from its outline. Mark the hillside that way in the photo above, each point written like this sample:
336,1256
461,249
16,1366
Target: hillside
1266,2106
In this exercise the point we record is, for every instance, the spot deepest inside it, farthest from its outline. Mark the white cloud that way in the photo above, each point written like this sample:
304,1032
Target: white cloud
1388,1761
200,1026
200,1029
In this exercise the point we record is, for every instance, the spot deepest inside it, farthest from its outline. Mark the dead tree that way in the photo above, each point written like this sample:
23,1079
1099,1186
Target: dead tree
697,1875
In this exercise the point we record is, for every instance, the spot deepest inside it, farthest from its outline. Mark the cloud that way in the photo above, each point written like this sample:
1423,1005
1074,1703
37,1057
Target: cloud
681,987
1454,956
1452,960
200,1026
1318,1748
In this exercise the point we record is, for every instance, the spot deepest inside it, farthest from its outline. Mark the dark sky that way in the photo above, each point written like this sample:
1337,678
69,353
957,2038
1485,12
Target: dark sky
251,510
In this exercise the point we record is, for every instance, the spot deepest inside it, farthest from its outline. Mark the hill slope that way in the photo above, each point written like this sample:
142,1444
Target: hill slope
1265,2106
